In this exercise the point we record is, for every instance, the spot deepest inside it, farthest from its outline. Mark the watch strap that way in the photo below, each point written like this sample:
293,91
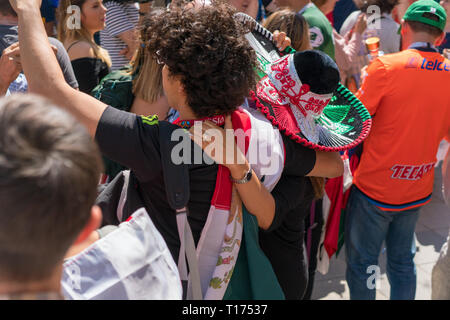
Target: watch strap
247,177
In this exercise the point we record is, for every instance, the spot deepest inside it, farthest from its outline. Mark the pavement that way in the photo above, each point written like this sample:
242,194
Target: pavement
431,233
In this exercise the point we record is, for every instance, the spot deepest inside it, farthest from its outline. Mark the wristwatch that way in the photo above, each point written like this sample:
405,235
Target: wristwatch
247,177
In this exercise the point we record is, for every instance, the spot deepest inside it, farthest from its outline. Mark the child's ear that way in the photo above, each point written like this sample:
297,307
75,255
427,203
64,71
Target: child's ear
93,224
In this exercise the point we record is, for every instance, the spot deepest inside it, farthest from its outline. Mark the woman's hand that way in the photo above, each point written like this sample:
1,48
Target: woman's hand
281,40
13,52
124,52
10,68
220,145
361,23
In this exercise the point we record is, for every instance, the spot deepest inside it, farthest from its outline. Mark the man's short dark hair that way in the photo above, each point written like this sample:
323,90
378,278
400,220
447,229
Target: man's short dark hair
49,171
6,9
207,49
417,26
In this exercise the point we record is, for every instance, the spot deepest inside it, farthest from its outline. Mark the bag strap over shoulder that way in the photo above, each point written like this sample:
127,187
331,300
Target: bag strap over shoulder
176,180
123,195
176,176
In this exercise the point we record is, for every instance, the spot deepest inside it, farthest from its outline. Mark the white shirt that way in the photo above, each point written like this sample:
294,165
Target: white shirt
389,38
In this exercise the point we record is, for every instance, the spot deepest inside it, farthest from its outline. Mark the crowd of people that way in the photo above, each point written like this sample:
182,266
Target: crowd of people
119,178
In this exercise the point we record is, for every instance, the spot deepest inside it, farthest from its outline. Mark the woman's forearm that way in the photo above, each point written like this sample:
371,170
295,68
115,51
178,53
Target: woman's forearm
254,196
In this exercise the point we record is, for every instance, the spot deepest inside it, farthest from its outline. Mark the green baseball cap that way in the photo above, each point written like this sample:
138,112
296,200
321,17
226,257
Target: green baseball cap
416,11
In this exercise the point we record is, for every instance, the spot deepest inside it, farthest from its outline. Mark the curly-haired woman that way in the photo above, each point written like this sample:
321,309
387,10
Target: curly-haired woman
90,61
207,72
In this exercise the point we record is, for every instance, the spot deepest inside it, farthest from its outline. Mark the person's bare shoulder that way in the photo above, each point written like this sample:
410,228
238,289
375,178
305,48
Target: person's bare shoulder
81,49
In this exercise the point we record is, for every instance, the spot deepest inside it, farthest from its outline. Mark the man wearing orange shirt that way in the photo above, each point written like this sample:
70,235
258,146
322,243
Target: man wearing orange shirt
407,95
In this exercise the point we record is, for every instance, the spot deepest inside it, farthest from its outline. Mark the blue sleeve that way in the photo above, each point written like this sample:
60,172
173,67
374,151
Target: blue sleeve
48,10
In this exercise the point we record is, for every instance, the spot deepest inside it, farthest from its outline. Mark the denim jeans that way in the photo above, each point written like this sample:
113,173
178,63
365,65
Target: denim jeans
366,227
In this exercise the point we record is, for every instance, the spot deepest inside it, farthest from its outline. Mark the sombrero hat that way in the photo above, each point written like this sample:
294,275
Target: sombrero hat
301,95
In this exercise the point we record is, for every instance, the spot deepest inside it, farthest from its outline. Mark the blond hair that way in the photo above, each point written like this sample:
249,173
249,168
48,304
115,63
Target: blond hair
293,24
77,34
147,82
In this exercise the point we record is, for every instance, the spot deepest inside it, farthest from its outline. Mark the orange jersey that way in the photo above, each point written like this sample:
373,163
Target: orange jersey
408,95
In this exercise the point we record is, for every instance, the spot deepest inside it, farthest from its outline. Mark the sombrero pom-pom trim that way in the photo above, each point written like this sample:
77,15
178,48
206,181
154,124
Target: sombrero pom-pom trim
366,125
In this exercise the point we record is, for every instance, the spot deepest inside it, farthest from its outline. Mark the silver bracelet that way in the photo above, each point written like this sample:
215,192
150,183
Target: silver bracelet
247,177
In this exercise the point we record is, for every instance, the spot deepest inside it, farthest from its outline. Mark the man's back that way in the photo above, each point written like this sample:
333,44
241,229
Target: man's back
406,93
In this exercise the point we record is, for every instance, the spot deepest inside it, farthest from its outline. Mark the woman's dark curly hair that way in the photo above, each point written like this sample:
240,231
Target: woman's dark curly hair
207,49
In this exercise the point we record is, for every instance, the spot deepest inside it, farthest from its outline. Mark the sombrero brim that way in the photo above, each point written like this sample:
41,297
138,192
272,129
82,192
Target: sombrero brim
345,121
344,124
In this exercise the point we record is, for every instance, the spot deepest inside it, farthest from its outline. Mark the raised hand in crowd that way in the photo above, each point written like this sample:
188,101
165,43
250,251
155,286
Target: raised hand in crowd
361,24
281,40
10,68
13,51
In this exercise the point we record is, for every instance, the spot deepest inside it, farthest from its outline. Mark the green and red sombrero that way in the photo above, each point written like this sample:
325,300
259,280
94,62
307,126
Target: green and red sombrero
300,94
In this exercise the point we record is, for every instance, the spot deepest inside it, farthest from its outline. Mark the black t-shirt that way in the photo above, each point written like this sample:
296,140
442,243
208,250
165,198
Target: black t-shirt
89,72
134,142
283,243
